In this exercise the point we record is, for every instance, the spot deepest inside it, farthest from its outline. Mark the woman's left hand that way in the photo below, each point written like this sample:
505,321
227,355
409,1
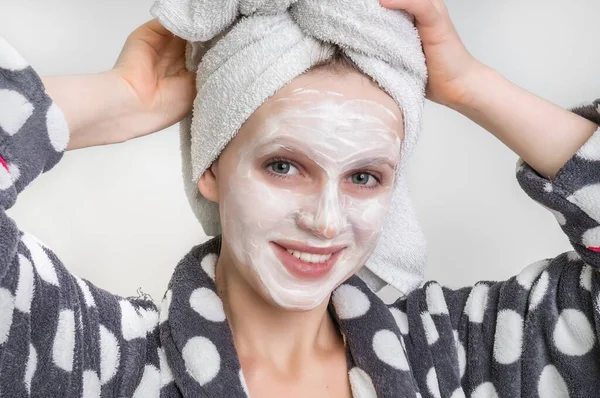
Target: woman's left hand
449,64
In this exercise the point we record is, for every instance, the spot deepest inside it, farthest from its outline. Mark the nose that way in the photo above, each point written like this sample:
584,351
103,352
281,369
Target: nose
325,218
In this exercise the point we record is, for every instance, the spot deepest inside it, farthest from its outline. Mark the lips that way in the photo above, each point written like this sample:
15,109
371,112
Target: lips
305,261
595,249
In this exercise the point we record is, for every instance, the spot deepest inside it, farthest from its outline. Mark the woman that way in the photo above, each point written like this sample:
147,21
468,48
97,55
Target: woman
73,339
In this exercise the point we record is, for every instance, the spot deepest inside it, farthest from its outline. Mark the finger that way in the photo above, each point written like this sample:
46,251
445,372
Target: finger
155,26
425,11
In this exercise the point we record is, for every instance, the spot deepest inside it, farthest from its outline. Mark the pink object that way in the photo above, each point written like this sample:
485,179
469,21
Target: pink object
595,249
3,163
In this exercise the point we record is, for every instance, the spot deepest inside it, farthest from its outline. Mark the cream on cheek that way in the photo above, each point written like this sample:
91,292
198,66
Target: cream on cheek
337,135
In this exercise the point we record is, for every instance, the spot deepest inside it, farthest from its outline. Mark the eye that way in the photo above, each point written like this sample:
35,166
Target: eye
282,167
365,179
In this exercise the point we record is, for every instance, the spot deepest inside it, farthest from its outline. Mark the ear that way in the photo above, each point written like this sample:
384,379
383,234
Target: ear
208,185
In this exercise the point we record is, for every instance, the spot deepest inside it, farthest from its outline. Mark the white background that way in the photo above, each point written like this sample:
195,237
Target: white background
118,216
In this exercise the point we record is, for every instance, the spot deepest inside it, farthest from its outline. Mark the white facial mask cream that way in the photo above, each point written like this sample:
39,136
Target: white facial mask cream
308,220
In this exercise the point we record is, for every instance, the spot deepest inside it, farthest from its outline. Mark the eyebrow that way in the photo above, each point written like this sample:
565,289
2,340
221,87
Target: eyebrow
377,160
278,144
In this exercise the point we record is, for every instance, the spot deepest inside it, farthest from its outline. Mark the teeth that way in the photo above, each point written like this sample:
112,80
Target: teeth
309,257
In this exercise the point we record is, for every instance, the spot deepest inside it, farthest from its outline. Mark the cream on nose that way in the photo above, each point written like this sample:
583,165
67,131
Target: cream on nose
326,218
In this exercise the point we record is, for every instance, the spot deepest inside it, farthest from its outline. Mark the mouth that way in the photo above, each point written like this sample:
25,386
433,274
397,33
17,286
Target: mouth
595,249
306,262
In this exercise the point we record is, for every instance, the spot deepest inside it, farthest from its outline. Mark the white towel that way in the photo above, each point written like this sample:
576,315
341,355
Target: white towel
258,46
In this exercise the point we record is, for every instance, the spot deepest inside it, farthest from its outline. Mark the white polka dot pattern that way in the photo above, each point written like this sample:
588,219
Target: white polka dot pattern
244,384
87,295
40,260
7,305
24,293
389,350
201,359
586,199
485,390
531,273
591,149
31,367
429,326
436,304
350,302
149,387
477,303
166,375
539,291
361,383
63,348
58,130
132,324
6,180
14,112
110,355
91,385
206,303
573,334
458,393
432,383
208,264
591,237
461,353
401,320
585,278
551,384
509,337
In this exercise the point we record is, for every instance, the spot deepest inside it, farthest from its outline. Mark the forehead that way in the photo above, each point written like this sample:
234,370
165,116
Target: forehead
320,105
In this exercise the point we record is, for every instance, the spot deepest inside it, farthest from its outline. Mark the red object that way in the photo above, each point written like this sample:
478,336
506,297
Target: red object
595,249
303,269
3,163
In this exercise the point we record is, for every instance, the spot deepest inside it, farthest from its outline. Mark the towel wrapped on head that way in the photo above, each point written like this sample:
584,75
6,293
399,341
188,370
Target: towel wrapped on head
244,51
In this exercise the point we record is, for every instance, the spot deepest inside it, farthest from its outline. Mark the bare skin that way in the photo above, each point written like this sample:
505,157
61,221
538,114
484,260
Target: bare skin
291,354
282,352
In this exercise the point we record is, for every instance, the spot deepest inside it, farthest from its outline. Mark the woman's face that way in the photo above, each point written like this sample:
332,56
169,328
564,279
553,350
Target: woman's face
304,187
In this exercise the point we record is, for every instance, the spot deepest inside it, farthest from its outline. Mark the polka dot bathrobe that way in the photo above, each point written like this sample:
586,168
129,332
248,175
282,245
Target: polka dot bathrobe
534,335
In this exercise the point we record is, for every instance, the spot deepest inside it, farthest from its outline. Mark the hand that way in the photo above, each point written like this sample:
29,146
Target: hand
152,64
147,90
519,119
449,64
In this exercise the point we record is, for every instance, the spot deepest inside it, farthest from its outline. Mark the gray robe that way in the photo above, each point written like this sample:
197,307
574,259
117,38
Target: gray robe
535,335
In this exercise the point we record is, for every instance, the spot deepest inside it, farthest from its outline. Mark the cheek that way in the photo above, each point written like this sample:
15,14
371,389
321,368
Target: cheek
259,205
367,216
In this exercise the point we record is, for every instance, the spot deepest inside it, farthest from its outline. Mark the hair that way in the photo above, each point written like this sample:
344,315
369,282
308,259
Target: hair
339,62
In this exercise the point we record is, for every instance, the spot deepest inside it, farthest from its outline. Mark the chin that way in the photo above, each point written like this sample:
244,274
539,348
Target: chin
291,301
294,285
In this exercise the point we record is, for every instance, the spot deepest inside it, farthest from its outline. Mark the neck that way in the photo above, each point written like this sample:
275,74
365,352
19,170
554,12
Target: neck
262,331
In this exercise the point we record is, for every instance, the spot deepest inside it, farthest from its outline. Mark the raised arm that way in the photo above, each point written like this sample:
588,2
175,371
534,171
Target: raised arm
61,335
535,334
519,119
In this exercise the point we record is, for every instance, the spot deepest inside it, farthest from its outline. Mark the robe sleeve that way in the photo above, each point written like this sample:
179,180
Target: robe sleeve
534,335
59,335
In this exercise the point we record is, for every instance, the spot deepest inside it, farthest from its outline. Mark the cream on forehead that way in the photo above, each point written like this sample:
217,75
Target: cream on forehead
325,125
337,134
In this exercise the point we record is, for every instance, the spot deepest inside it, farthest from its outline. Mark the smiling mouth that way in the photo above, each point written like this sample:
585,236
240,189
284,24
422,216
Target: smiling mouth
304,261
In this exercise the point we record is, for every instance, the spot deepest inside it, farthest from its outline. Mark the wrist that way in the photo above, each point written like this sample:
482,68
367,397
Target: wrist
97,107
474,86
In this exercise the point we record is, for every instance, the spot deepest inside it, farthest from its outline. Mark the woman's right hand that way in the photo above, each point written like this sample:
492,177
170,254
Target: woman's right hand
148,90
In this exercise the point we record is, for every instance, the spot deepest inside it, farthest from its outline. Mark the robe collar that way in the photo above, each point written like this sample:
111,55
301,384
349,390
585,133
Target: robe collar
200,349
